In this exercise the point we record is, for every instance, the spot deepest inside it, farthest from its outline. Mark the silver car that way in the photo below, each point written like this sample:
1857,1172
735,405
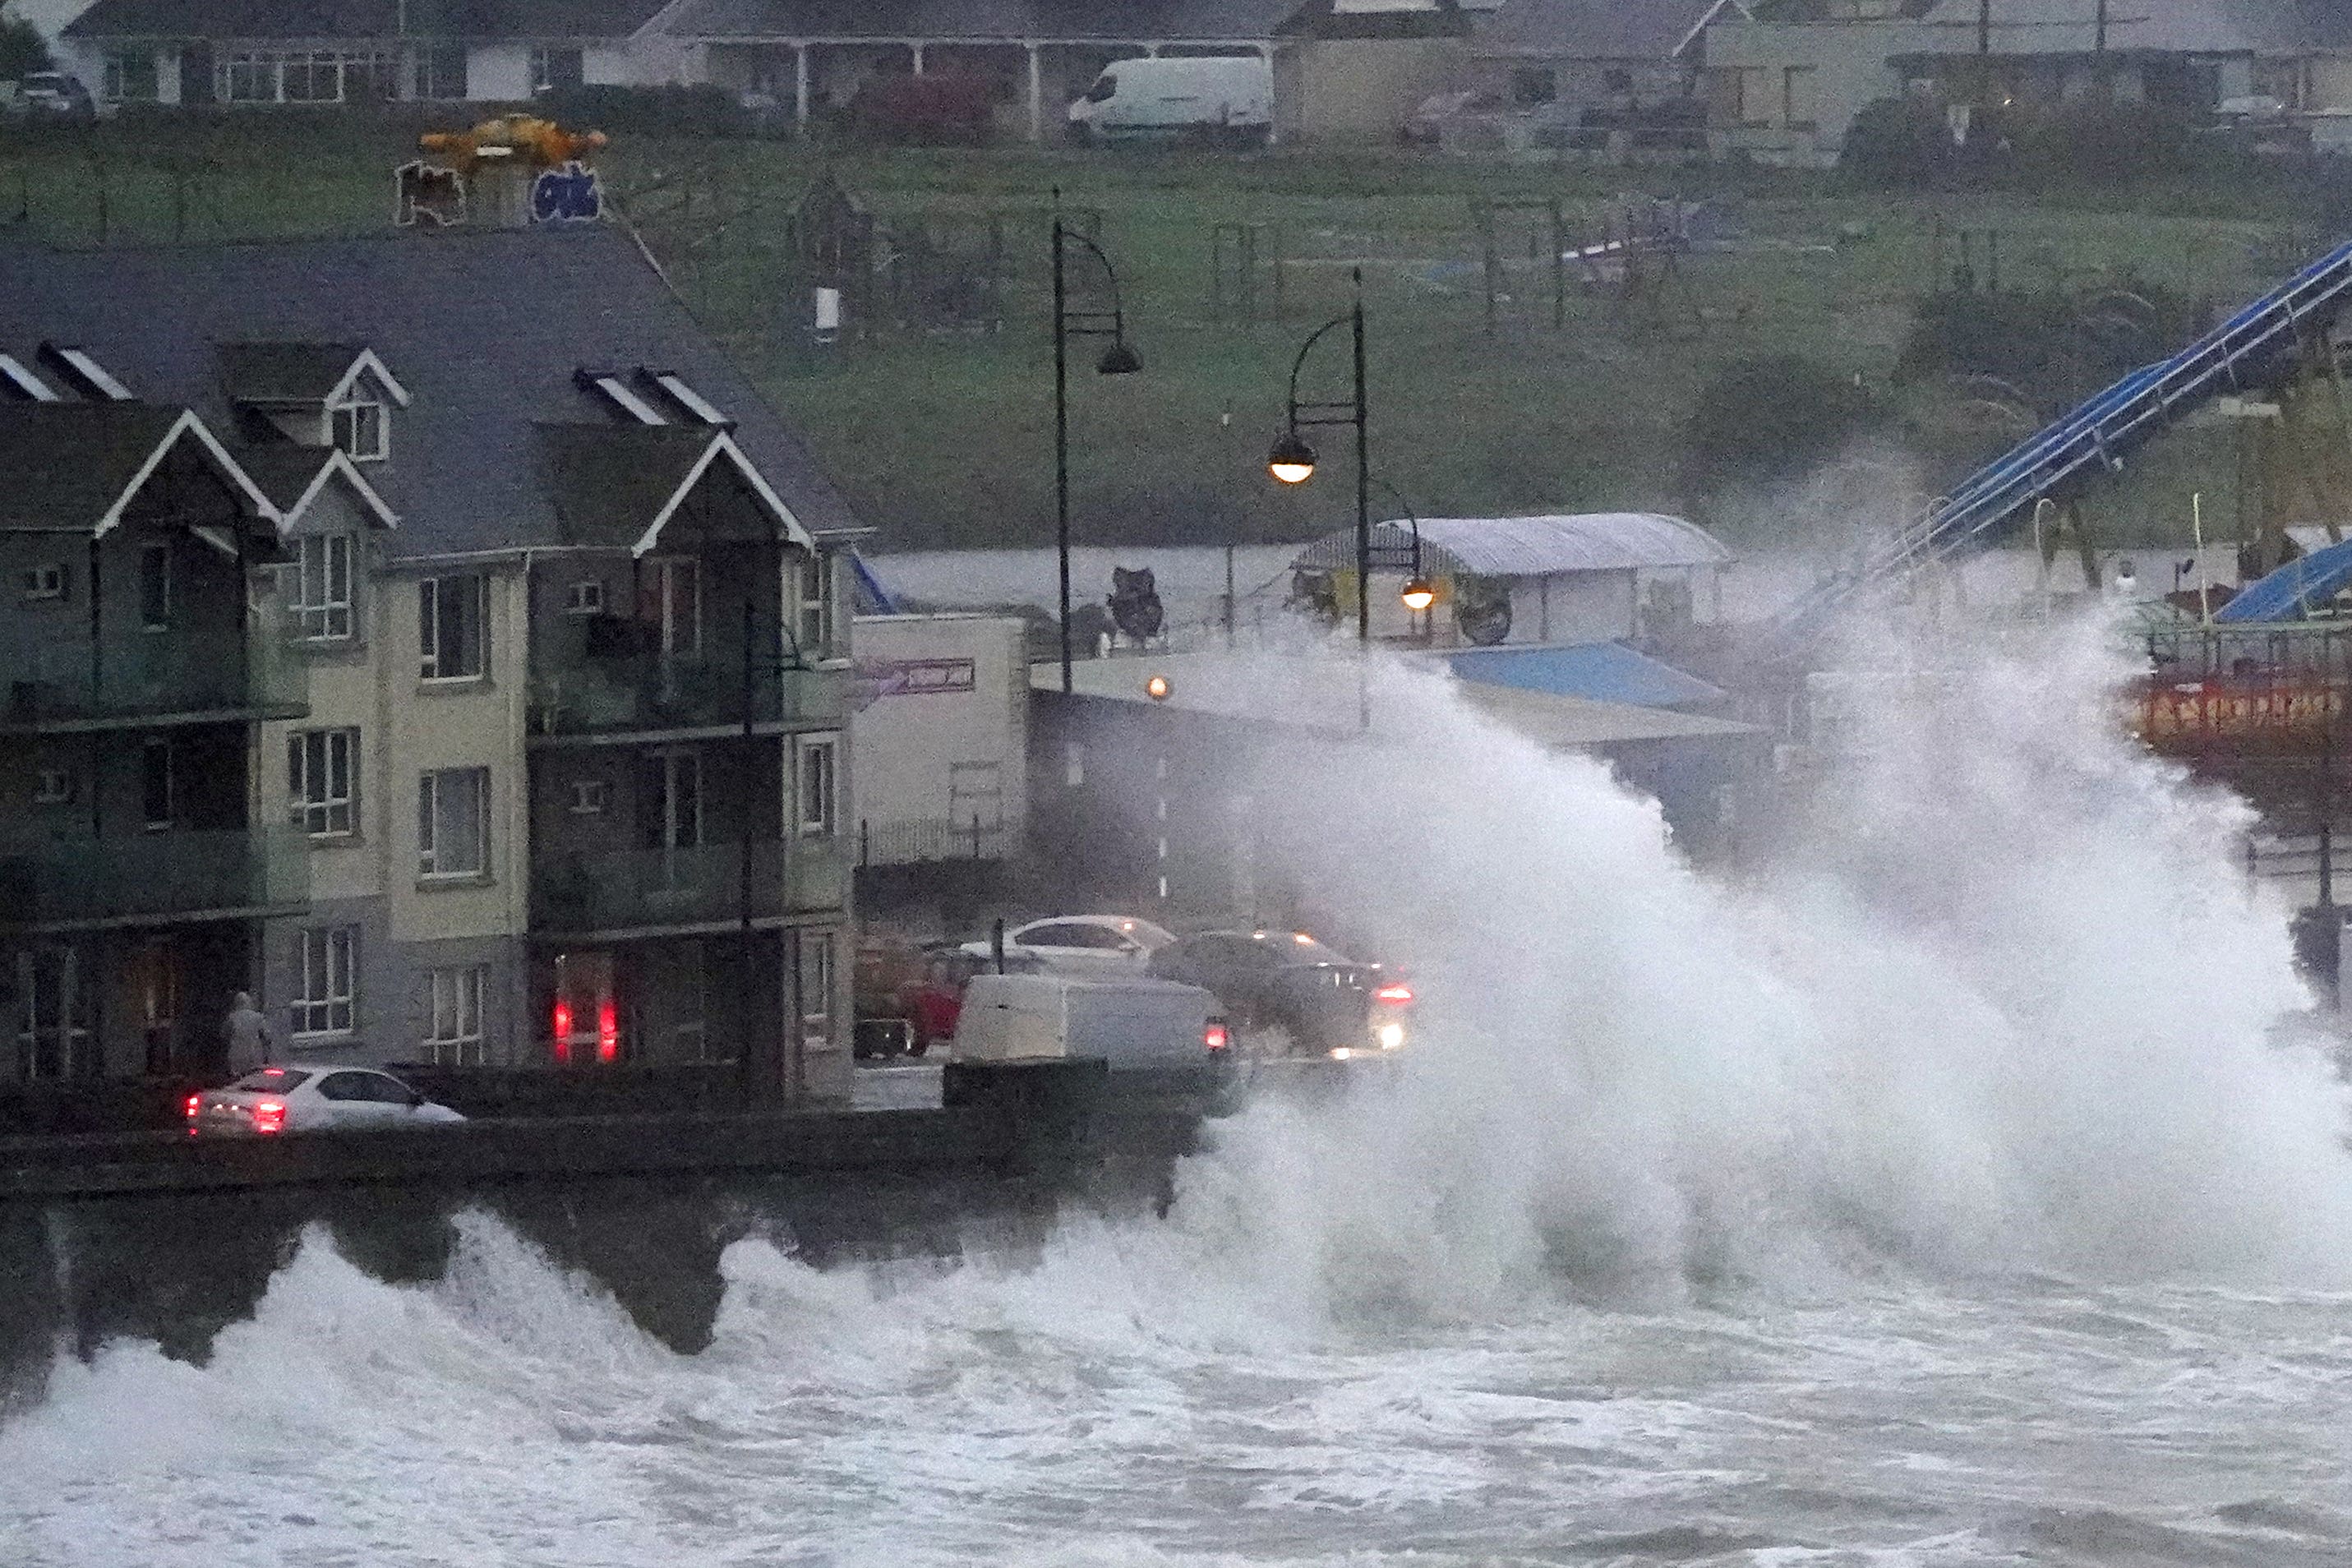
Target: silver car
309,1097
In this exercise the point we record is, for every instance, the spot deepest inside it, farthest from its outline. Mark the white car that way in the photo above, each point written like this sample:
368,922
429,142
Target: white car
309,1097
1081,944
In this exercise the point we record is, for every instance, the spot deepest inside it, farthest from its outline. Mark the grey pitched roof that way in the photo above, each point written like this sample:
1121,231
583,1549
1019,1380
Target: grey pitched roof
267,373
484,329
2184,26
986,19
62,465
1593,29
362,18
607,482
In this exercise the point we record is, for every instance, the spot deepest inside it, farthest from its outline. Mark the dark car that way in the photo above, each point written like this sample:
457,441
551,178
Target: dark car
1327,1004
55,93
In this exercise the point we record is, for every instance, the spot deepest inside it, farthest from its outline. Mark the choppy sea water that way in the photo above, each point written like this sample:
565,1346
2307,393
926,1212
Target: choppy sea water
1943,1192
1025,1414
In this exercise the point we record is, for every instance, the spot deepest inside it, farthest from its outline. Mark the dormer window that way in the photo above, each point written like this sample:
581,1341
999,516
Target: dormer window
360,431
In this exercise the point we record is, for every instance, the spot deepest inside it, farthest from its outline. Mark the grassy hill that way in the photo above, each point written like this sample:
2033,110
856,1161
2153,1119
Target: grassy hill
943,437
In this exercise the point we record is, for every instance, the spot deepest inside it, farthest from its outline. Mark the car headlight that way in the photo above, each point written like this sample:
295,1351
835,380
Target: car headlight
1390,1035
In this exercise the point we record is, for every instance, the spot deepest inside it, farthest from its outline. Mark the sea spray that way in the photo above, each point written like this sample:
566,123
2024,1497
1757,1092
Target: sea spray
2007,1003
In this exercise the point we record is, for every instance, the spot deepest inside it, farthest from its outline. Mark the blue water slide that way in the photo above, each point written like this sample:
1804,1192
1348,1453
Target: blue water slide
873,598
2099,434
2293,591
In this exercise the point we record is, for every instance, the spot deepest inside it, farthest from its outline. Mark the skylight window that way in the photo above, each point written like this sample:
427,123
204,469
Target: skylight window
685,398
22,382
90,375
617,392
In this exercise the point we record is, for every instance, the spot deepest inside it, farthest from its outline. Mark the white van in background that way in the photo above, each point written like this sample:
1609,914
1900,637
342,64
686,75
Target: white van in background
1127,1022
1227,99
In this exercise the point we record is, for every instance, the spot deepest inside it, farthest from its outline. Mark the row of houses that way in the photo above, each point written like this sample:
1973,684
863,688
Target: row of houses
441,642
1779,80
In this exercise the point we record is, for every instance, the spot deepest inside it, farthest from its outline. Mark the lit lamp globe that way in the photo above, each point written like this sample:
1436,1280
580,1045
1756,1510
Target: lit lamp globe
1158,689
1292,461
1419,594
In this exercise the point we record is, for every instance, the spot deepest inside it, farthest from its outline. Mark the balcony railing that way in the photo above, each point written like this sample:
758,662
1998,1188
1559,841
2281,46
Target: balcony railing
818,874
52,680
151,878
926,842
584,682
650,888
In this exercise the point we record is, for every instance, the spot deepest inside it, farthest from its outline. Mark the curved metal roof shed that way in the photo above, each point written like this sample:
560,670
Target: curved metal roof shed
1528,546
1553,579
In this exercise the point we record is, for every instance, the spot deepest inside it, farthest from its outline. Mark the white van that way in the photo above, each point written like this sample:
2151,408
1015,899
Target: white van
1224,99
1129,1023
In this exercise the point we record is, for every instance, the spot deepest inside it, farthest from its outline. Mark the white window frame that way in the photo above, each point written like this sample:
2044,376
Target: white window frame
815,961
541,79
345,419
455,1007
115,69
826,822
667,574
47,581
814,606
53,787
586,598
429,84
590,797
161,551
153,747
313,803
322,606
263,80
326,982
429,657
432,852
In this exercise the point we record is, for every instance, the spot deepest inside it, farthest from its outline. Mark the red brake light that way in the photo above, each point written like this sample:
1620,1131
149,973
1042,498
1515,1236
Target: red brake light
1395,994
195,1103
608,1030
269,1116
560,1025
1216,1037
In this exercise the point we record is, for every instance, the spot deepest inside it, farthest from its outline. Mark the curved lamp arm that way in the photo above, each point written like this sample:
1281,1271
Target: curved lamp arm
1118,307
1300,363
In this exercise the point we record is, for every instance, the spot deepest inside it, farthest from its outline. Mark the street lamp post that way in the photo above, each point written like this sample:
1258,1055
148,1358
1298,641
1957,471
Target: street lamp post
1116,359
1292,460
1419,593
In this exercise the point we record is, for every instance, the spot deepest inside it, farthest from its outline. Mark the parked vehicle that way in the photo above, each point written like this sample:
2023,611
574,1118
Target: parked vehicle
1080,944
1325,1004
306,1097
1129,1021
51,94
1224,99
1427,124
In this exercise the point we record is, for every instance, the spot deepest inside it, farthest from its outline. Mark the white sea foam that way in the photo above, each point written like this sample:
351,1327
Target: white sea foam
2000,1026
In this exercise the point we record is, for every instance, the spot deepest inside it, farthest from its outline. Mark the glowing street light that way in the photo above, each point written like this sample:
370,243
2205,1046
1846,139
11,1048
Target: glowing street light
1292,461
1419,594
1118,359
1158,689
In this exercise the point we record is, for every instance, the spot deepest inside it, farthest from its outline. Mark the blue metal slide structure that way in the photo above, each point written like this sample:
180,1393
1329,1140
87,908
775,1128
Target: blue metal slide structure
2245,352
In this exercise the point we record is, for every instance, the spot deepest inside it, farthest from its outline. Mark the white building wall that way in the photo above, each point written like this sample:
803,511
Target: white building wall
498,73
954,692
611,65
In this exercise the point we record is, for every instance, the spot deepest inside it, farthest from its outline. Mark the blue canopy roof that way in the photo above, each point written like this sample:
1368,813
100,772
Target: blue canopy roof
1603,673
2295,590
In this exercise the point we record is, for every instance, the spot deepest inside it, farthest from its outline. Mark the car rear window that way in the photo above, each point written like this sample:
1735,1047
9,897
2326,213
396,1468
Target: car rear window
272,1079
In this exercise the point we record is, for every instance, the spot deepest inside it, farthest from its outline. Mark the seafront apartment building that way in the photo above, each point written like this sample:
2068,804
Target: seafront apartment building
434,637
